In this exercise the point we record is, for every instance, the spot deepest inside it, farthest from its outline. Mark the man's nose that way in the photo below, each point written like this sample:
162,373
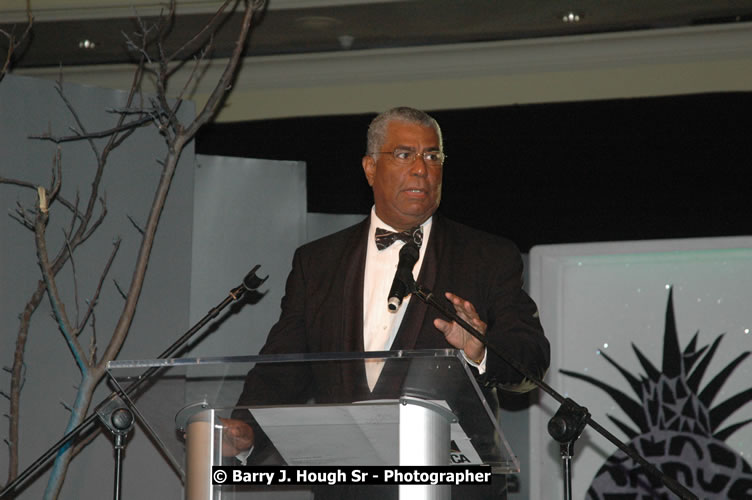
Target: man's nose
419,166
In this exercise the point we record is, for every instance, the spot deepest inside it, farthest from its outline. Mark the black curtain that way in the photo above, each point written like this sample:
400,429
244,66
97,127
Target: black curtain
626,169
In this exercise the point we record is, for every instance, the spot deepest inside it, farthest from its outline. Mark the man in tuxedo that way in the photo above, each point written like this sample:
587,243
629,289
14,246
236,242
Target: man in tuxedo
336,294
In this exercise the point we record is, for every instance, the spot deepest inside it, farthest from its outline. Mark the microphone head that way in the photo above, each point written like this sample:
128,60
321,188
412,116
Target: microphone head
394,303
410,251
252,281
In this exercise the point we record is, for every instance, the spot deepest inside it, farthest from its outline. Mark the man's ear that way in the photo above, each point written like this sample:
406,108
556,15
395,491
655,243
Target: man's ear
369,168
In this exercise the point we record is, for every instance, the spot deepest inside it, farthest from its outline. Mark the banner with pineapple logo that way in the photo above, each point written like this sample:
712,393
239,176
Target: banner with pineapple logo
654,339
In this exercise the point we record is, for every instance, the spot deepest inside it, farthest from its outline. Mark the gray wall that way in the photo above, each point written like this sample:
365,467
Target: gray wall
29,106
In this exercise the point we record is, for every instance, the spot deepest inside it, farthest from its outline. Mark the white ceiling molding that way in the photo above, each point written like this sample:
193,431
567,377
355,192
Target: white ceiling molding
310,4
501,58
14,11
518,57
69,10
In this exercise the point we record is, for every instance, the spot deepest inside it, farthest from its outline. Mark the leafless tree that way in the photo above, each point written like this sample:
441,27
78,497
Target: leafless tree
86,215
15,42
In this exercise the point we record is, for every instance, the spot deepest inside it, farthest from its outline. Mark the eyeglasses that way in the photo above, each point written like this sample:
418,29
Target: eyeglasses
408,156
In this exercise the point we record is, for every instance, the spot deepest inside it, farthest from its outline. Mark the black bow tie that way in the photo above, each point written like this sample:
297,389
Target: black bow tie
384,237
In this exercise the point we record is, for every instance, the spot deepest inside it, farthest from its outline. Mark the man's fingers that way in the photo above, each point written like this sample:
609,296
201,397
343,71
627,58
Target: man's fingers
462,306
466,311
443,326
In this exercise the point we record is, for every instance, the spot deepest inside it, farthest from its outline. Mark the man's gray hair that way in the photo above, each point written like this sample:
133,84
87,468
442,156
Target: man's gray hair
377,129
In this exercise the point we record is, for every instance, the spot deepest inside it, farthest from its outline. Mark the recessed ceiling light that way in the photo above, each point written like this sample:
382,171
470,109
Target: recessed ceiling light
346,41
571,17
317,22
87,44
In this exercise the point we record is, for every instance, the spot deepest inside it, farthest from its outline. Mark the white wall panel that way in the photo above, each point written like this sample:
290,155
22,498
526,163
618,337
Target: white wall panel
607,297
247,212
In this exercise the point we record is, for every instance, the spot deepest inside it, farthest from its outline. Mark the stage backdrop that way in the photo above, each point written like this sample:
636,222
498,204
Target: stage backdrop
653,338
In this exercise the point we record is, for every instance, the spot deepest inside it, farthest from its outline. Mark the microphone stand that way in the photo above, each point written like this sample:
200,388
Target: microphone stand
113,413
569,421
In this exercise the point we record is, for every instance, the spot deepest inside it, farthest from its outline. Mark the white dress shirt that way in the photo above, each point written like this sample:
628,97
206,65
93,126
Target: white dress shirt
380,325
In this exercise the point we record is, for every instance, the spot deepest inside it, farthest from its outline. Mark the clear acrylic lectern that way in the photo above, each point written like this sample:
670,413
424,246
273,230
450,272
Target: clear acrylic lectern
434,413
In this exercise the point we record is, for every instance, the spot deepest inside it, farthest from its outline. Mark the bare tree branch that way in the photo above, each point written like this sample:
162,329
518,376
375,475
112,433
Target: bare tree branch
73,220
127,127
15,43
225,81
135,224
16,182
195,71
93,300
84,134
20,217
75,280
58,306
120,290
208,30
93,340
18,377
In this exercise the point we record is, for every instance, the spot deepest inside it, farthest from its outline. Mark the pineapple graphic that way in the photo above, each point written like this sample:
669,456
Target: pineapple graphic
677,427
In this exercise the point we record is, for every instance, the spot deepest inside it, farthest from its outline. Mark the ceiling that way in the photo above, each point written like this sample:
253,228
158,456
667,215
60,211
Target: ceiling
307,26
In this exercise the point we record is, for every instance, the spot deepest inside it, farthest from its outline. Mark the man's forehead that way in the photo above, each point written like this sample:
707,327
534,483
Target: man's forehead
401,130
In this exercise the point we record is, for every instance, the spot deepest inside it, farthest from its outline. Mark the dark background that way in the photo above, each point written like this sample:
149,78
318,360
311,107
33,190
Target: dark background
626,169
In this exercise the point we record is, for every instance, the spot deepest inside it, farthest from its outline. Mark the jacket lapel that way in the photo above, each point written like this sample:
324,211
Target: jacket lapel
352,374
352,290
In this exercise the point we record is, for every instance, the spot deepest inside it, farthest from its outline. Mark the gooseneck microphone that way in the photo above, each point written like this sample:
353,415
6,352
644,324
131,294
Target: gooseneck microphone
408,256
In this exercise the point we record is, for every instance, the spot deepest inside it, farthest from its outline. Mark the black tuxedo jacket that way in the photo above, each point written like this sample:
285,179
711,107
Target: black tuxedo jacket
322,311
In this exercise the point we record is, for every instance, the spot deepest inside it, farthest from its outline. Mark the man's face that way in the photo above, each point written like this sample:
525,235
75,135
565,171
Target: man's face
405,195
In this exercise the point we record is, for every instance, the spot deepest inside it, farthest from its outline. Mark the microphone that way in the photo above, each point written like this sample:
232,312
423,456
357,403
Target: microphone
408,256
